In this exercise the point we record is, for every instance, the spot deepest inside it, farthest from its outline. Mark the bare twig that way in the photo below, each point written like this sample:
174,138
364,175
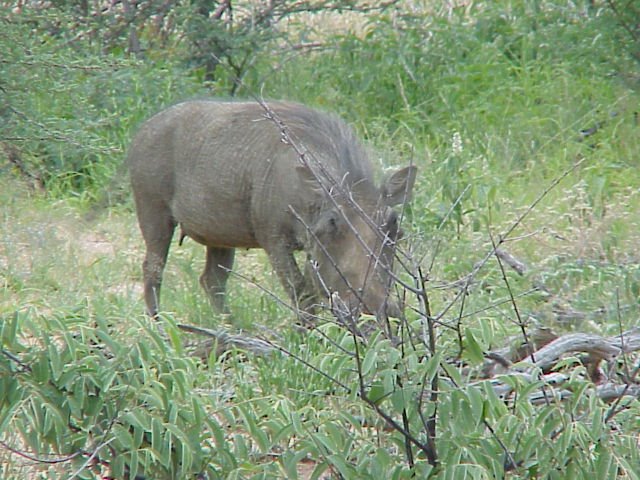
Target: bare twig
33,458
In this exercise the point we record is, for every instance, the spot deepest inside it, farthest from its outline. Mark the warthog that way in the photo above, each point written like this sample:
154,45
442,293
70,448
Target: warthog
277,176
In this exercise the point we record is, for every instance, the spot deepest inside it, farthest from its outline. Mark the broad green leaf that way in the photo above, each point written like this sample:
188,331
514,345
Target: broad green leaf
41,371
317,473
452,372
55,362
108,380
297,424
133,464
630,470
431,368
187,457
398,400
605,467
345,470
473,351
118,467
376,392
124,437
157,431
477,404
8,330
369,361
289,464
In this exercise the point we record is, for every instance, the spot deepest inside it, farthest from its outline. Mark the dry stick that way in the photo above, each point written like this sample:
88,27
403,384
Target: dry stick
616,408
519,267
432,454
33,458
93,455
458,327
381,413
594,345
521,323
225,339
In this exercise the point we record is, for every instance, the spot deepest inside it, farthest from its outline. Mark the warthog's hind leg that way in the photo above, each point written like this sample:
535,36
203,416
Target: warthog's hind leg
157,236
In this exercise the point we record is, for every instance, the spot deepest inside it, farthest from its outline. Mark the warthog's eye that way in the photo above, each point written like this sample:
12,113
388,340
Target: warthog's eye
328,225
391,225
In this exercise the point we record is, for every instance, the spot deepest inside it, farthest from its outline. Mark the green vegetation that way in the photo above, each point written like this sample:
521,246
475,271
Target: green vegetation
523,119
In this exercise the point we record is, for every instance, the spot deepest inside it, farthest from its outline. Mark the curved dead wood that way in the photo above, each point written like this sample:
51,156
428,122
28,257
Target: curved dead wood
222,341
595,345
596,348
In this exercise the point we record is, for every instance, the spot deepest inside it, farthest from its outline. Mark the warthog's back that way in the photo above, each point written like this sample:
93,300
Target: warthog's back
224,171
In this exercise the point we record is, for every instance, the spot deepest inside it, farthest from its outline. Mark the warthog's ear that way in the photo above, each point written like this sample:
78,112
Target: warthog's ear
309,179
397,188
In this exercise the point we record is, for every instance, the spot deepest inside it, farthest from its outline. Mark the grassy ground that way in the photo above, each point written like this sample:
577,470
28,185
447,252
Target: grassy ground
59,267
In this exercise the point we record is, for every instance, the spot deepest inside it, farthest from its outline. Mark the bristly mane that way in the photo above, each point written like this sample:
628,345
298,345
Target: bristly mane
325,132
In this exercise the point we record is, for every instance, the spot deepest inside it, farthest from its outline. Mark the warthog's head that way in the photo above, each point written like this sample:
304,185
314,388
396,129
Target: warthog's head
352,240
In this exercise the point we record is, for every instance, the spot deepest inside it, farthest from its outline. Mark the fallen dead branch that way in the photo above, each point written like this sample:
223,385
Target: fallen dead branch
223,341
505,366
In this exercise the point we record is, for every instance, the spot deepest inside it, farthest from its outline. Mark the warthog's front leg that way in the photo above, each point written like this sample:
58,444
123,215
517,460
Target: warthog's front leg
299,289
157,235
215,275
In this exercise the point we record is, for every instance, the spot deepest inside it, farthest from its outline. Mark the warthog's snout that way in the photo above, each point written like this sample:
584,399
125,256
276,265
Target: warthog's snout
388,307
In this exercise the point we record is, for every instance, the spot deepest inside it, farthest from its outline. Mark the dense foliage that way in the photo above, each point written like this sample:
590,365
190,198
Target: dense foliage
522,117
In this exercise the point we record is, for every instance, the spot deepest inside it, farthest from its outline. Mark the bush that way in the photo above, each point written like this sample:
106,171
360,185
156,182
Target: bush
70,121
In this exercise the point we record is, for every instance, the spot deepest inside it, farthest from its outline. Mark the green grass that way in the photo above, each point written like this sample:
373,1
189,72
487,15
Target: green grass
65,276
